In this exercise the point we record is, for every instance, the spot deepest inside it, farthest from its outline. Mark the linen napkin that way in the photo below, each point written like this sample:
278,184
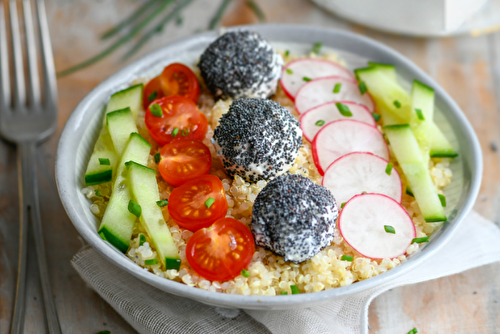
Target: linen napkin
150,310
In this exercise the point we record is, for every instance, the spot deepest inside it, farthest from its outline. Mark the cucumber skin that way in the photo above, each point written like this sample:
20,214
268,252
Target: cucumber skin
450,153
109,237
117,102
98,178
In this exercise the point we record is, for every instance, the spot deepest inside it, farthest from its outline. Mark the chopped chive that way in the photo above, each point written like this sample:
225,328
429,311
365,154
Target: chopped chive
284,292
209,202
420,114
397,104
162,203
175,131
104,162
362,87
295,289
442,198
347,258
151,262
156,110
152,96
142,239
289,71
389,229
316,47
413,331
257,10
97,193
320,123
409,191
287,53
172,264
342,205
245,273
376,116
388,169
134,208
337,87
184,132
218,15
157,157
420,240
364,192
306,79
343,109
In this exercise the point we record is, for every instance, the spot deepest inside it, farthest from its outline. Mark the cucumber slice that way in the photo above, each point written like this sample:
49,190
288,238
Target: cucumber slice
390,98
440,146
118,223
388,69
144,190
422,107
130,97
408,153
120,125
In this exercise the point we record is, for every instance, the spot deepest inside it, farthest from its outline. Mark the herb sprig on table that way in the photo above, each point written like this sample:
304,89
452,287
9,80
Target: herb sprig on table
161,11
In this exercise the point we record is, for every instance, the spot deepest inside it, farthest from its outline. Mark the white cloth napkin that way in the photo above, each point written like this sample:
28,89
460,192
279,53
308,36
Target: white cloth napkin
150,310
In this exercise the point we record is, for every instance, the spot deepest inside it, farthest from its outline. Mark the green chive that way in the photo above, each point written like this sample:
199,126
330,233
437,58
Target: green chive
284,292
420,240
157,157
388,169
184,132
364,192
152,96
343,109
151,262
295,289
257,10
179,20
287,53
420,114
142,239
306,79
413,331
209,202
97,193
218,15
342,205
389,229
289,71
245,273
320,123
129,20
172,264
162,203
134,208
362,87
316,47
104,162
409,191
397,104
337,87
347,258
443,200
156,110
376,116
175,131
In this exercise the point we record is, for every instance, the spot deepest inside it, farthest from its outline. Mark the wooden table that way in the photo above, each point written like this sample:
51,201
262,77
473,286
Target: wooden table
467,67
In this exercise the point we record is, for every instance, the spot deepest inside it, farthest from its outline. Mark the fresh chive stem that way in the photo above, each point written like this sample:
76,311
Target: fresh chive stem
343,109
389,229
420,114
320,123
362,87
376,116
342,205
218,15
142,239
420,240
337,88
413,331
254,6
306,79
151,262
157,157
209,202
152,96
287,53
289,71
388,169
284,292
316,47
295,289
397,104
134,208
184,132
162,203
442,199
245,273
156,110
175,131
347,258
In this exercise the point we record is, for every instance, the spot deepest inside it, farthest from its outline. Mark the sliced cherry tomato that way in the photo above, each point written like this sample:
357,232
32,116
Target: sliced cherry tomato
221,251
180,119
152,92
184,160
178,79
198,203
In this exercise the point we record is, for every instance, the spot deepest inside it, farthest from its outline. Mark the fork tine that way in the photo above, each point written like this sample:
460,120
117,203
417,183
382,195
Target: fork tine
4,63
49,73
34,92
20,91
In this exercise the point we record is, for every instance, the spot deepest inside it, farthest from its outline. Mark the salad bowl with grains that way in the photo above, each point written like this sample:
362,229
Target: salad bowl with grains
283,176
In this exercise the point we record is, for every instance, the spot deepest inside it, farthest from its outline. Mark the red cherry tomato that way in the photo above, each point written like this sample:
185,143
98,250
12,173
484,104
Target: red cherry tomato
221,251
198,203
152,91
180,119
178,79
184,160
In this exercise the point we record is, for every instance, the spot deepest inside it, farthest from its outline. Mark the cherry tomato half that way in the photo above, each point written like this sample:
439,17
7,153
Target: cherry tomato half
198,203
221,251
180,119
184,160
178,79
152,91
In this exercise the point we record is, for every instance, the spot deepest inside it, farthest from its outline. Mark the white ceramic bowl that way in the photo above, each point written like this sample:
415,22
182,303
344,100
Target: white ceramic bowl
82,128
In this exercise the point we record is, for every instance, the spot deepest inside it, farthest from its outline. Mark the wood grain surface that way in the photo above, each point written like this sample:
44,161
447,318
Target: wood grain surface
467,67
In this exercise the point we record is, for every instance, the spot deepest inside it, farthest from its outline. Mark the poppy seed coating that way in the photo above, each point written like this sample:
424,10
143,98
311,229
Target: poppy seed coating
240,64
293,217
257,139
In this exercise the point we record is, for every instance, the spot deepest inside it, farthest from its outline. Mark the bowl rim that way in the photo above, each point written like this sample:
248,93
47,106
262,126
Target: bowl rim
65,187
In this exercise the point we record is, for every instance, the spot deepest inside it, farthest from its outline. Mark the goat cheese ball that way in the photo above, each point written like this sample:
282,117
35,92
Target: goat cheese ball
257,139
294,217
240,64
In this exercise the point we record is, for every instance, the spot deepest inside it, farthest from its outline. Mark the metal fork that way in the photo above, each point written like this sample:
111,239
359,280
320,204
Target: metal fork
25,121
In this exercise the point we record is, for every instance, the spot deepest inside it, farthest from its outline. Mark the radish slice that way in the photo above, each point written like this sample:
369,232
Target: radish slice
362,221
292,77
356,172
341,137
319,91
329,112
